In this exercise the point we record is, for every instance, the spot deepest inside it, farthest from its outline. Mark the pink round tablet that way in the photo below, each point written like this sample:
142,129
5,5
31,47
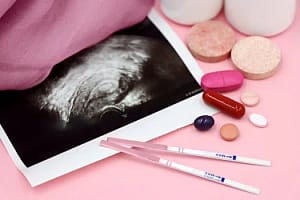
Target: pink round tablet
222,81
211,41
249,98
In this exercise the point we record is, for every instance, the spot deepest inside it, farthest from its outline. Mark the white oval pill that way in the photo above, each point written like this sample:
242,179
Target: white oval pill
249,98
258,120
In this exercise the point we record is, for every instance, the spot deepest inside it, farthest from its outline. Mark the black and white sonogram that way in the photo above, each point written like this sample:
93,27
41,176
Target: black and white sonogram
122,79
112,76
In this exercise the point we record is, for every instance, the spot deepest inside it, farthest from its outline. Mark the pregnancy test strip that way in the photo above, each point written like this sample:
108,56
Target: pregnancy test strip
209,176
191,152
219,156
179,167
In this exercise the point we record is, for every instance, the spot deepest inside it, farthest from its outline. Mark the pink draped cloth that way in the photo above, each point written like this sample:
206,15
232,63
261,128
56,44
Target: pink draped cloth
37,34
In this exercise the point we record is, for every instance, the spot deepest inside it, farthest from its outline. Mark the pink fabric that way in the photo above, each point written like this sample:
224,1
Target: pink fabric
35,34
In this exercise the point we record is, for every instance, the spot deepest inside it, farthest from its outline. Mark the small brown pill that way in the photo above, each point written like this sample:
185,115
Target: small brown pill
229,132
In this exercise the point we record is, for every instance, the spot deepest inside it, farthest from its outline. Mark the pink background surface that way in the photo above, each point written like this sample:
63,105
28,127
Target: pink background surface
123,177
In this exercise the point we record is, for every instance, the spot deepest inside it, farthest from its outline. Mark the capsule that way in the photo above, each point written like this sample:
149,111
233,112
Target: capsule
224,104
222,81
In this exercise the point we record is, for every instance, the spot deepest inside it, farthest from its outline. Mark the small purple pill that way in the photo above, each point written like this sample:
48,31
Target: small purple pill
204,122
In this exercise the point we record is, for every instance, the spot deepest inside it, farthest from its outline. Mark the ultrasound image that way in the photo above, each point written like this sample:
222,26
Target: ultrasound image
130,75
109,77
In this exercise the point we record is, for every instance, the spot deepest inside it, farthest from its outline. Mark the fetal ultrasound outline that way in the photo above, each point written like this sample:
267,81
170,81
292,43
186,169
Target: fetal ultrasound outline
113,108
142,47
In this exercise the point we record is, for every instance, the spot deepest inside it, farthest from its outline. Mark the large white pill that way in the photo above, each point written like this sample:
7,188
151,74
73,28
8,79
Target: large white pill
258,120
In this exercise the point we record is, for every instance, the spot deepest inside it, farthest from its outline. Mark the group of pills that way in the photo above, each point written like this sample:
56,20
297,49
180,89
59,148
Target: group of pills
253,57
229,131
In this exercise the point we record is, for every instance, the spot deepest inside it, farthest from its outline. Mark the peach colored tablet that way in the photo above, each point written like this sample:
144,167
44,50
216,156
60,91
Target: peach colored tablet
249,98
211,41
229,132
256,57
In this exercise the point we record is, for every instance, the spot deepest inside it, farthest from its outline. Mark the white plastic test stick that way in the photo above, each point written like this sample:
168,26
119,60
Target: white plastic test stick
190,152
209,176
179,167
219,156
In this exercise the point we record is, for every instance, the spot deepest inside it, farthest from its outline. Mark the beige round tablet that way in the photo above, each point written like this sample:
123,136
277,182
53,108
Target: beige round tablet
256,57
211,41
249,98
229,132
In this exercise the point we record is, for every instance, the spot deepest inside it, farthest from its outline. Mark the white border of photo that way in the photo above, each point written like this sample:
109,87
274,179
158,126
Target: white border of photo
145,129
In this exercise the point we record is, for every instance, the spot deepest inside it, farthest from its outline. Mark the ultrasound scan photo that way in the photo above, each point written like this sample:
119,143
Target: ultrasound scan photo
130,75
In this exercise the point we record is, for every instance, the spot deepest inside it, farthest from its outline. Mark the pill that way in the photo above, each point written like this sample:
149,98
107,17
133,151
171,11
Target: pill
222,81
229,132
224,104
204,122
249,98
258,120
211,41
256,57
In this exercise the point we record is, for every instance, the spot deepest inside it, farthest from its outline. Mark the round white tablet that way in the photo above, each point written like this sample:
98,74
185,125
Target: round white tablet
258,120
